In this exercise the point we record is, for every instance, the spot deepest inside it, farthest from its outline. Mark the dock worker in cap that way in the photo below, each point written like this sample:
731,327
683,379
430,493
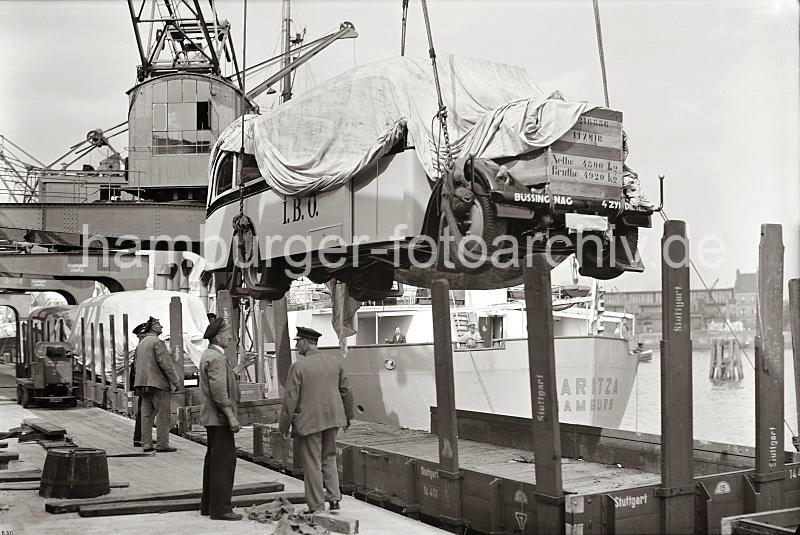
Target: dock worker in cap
155,380
137,426
471,338
317,402
219,404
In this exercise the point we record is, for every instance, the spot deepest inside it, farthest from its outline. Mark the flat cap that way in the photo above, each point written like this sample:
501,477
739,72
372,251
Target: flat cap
214,327
140,329
307,333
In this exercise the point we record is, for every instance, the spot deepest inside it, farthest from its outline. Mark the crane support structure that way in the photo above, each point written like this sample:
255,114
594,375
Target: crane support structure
121,225
117,271
74,291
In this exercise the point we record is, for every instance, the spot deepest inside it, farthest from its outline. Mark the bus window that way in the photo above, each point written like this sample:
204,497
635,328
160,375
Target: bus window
224,176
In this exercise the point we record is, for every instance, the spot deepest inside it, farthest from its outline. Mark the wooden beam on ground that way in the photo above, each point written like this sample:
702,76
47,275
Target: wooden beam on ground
449,474
189,504
34,485
45,427
770,473
550,515
335,523
677,490
21,475
71,506
794,321
6,456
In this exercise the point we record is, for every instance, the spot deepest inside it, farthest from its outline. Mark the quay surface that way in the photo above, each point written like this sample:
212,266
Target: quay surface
94,427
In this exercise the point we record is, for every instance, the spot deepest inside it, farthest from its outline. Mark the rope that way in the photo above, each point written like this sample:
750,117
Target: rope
599,32
442,113
725,319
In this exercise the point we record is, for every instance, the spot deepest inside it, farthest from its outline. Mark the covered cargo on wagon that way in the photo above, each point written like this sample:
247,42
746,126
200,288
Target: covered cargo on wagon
139,305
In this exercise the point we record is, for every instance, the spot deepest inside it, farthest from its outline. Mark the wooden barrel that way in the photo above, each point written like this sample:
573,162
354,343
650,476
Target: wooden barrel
74,473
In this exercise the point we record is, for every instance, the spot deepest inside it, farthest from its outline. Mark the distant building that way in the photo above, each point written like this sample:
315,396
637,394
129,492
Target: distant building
745,306
737,304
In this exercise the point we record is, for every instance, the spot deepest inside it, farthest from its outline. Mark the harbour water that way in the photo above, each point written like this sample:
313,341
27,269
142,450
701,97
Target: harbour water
723,412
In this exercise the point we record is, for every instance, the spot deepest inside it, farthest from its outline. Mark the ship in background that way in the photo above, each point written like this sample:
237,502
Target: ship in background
395,383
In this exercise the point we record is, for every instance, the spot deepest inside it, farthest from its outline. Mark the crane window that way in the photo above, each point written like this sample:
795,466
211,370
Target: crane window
182,117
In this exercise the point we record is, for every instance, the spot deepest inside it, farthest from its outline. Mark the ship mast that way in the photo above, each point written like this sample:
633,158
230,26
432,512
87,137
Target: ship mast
286,91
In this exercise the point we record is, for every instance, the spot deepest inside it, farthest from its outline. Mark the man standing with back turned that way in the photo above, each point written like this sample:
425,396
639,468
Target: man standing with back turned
155,380
317,402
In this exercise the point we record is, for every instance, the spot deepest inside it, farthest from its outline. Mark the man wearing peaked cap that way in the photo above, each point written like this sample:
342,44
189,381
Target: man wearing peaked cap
139,331
155,380
317,402
308,333
219,405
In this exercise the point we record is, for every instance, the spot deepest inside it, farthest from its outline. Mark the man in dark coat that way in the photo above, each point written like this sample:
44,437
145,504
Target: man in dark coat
137,429
219,404
317,402
155,380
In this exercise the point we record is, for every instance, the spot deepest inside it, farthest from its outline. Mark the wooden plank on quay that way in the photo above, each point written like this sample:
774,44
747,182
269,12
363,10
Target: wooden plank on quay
189,504
335,522
770,473
6,456
550,516
21,475
71,506
677,445
43,426
34,485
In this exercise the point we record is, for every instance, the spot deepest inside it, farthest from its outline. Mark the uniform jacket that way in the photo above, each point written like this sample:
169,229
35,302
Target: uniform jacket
219,387
317,395
154,366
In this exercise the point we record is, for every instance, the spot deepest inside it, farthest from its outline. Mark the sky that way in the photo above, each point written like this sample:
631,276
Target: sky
709,90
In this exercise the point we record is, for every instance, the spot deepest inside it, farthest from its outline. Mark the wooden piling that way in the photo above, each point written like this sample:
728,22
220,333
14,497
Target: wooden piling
449,472
112,335
794,321
226,311
128,405
259,339
125,355
83,359
93,386
176,340
103,378
769,473
550,515
677,489
283,350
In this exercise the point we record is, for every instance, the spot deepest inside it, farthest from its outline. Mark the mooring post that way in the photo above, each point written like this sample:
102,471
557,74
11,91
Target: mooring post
449,473
677,489
770,473
550,514
226,311
794,320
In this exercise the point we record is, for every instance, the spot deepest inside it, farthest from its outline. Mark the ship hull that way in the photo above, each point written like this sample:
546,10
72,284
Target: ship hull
395,384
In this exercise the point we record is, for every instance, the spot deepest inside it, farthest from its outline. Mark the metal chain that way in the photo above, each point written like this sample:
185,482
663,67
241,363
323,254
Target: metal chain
442,112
